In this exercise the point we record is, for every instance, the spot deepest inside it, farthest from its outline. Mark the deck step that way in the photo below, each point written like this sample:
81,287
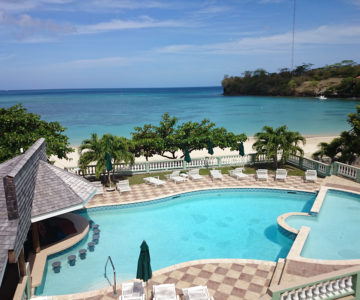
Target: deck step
275,280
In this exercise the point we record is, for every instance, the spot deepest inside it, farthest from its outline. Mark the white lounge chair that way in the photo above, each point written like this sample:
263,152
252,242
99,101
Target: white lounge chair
175,176
280,174
194,174
262,174
154,180
132,291
197,293
99,187
310,175
123,186
216,174
165,292
238,173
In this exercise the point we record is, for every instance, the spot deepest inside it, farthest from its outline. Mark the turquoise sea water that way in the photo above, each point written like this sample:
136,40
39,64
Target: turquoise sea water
118,111
225,223
334,232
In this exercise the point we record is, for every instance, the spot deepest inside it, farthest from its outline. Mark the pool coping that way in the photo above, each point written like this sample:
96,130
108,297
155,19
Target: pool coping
303,233
200,189
39,259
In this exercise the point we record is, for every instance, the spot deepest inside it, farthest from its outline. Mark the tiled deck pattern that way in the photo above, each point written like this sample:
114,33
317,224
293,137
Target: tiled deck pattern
225,281
144,191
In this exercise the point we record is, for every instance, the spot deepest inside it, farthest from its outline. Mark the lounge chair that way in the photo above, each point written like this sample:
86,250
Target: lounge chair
238,173
262,174
175,176
216,174
123,186
165,292
310,175
280,174
99,187
132,291
197,293
154,180
194,174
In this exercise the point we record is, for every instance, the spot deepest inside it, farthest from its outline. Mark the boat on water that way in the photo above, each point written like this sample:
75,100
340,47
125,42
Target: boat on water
322,97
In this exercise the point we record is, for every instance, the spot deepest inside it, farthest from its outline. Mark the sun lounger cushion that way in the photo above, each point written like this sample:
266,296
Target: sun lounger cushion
154,180
280,174
123,186
216,174
262,174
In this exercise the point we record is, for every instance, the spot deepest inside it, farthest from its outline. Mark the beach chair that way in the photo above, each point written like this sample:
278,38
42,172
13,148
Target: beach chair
216,174
175,176
165,292
262,174
194,174
238,173
197,293
154,181
99,187
123,186
310,175
132,291
280,174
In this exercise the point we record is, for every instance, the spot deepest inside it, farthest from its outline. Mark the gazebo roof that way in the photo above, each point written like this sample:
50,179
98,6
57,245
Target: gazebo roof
58,191
32,190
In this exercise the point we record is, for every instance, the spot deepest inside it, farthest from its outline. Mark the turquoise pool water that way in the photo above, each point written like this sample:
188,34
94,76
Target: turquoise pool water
235,223
334,231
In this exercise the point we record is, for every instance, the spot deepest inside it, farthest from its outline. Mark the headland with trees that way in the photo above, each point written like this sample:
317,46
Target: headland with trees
340,80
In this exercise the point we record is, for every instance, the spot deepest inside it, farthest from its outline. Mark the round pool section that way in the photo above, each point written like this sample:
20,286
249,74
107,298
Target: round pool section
224,223
334,232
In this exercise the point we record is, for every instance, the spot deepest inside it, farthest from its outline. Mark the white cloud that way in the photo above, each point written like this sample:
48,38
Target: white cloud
23,27
324,35
26,5
128,4
101,62
113,25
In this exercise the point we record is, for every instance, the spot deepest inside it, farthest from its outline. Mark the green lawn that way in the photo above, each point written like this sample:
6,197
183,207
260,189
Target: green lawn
292,171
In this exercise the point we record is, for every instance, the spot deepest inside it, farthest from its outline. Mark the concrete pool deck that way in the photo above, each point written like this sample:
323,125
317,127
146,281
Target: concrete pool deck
229,278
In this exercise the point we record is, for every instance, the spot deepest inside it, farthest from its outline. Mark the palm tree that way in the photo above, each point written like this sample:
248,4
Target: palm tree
271,140
95,149
91,151
122,151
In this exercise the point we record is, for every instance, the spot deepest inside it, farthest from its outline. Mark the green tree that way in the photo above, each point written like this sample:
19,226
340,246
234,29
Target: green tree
20,129
270,141
194,135
146,141
93,150
167,133
345,148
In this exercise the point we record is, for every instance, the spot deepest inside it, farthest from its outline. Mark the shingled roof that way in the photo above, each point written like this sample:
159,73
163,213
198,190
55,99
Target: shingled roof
58,191
32,190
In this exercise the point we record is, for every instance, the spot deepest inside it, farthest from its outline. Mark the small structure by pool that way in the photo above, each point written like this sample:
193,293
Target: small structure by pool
31,190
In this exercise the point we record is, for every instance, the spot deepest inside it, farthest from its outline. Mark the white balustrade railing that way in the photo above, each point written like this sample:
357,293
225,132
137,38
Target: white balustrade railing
346,170
333,285
229,160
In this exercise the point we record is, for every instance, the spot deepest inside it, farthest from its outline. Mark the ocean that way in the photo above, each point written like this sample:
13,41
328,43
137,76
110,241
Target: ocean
118,111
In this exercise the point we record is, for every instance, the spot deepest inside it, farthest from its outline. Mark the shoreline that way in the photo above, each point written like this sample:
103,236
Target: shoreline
311,146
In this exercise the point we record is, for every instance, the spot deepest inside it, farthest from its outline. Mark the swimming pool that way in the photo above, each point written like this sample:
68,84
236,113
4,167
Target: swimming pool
334,231
224,223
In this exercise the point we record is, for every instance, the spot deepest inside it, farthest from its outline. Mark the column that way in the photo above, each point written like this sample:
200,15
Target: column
35,237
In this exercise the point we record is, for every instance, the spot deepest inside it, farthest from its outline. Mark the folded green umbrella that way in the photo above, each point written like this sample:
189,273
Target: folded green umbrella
187,157
241,149
210,148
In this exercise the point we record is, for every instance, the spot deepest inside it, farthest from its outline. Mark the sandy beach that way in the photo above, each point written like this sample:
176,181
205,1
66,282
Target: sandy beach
310,147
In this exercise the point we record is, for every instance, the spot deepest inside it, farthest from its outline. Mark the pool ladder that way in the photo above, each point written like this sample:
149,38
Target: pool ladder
112,265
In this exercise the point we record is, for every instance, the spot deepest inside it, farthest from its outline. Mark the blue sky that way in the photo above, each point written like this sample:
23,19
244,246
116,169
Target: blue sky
166,43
